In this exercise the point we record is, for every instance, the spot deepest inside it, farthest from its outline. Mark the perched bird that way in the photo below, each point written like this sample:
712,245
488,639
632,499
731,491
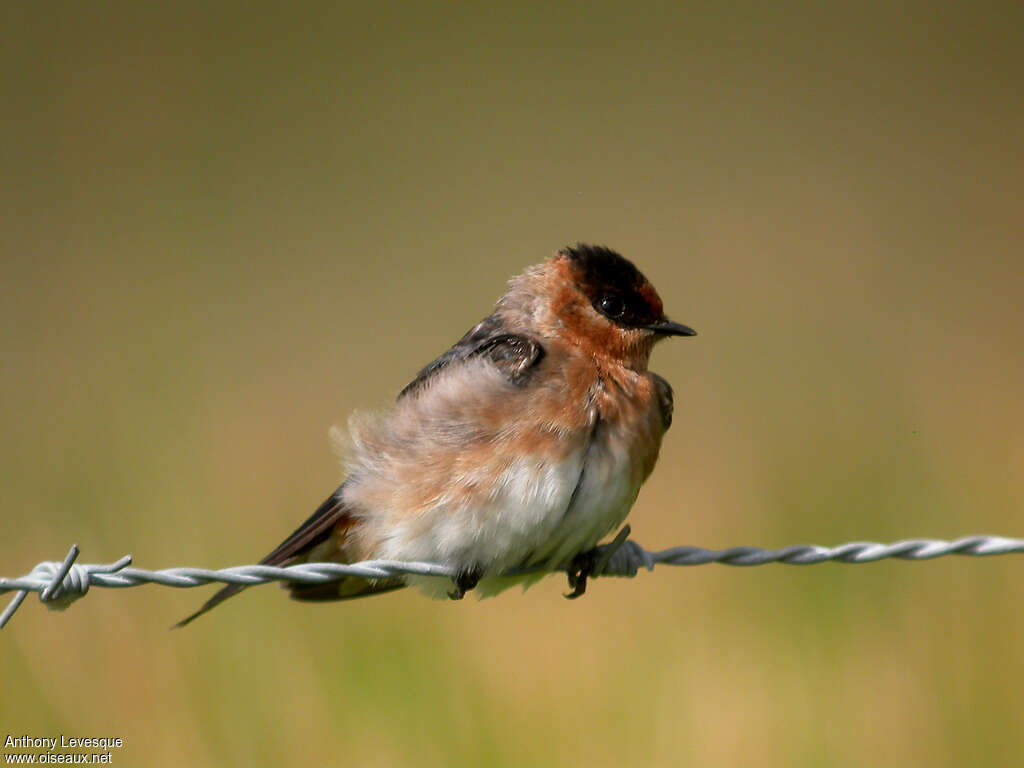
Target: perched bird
524,444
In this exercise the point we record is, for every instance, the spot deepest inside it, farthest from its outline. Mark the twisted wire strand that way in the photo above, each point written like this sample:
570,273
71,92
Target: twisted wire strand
61,583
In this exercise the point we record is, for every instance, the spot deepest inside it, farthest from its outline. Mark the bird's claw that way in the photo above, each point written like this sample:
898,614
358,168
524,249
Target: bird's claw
464,582
581,567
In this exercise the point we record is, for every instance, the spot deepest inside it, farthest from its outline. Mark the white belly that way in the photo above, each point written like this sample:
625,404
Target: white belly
606,491
541,502
543,514
496,531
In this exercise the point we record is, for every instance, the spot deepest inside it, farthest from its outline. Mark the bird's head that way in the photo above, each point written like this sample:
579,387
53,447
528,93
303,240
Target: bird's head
592,297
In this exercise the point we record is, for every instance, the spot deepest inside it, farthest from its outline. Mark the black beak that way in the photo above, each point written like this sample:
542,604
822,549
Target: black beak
667,328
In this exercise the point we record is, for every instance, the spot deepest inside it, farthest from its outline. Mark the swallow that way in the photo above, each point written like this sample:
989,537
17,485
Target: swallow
523,445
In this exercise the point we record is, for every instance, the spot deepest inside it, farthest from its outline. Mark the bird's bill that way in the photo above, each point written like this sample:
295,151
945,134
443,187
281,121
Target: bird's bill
668,328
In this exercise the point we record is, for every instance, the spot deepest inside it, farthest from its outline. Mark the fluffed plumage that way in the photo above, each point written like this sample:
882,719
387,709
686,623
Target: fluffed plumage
525,443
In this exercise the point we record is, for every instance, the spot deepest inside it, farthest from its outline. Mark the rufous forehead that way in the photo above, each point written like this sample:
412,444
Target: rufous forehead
651,297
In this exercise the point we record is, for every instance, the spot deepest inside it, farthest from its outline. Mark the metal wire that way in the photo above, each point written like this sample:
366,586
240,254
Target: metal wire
61,583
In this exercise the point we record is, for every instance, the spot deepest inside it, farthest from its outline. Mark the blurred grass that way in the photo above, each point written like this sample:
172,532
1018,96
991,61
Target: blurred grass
227,227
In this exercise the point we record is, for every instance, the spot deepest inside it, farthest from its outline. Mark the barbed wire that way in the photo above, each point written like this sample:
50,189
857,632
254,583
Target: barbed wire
61,583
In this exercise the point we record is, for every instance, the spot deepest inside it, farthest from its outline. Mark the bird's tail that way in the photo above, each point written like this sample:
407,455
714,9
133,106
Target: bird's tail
316,530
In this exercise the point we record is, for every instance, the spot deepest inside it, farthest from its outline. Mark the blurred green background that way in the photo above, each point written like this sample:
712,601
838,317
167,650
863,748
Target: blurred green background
227,226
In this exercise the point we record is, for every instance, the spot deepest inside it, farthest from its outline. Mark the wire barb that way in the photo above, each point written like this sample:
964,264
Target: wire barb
61,583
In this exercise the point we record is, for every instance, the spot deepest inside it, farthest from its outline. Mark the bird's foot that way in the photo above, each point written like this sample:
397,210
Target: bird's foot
464,582
581,567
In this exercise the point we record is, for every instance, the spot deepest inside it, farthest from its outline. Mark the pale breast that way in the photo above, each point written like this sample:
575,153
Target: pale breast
479,474
621,453
474,473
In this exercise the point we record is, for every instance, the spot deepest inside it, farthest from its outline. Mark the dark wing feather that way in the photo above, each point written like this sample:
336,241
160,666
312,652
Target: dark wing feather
512,353
665,402
315,530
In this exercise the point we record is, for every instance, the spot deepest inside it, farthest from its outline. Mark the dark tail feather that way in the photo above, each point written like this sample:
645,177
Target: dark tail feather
213,602
343,589
315,530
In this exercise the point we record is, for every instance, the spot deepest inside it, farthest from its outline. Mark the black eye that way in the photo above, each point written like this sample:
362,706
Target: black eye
612,306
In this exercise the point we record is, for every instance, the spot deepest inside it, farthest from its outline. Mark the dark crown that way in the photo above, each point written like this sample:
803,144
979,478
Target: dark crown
603,273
